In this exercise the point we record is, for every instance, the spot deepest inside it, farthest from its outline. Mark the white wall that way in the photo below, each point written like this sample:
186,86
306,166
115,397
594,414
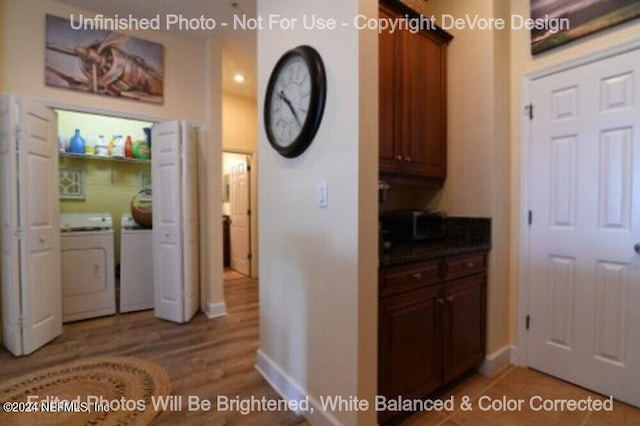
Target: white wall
190,93
317,272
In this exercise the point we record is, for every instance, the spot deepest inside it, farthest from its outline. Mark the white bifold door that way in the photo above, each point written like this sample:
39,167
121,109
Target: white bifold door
174,171
584,251
30,235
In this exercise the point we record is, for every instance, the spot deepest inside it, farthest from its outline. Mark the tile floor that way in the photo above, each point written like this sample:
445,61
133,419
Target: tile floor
522,383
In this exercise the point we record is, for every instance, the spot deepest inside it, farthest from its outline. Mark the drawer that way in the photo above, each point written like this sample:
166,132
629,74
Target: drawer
398,279
461,266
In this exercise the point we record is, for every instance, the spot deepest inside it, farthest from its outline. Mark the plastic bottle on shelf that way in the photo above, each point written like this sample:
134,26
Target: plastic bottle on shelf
118,146
90,145
127,148
77,143
102,147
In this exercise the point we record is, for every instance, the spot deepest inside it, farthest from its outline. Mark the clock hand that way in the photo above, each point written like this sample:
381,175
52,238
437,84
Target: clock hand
286,100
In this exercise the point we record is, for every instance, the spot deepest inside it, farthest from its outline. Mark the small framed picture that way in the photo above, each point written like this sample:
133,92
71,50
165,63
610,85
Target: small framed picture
71,183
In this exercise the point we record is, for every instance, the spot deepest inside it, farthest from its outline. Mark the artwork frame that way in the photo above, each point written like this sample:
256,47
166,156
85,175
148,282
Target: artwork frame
103,62
585,18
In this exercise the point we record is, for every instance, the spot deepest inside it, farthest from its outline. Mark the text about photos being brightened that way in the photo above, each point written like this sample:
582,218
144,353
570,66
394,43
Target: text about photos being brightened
254,404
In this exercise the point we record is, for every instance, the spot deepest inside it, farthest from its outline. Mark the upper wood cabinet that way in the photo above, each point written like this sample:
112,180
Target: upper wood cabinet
413,103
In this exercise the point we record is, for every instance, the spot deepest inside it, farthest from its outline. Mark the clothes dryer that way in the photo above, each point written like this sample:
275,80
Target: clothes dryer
88,267
136,266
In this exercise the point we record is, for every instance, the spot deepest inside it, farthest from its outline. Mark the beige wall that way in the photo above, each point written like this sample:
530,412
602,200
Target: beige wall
192,90
317,313
239,123
522,63
3,37
477,181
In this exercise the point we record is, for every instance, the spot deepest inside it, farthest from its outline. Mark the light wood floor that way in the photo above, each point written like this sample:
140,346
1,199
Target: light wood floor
207,358
515,383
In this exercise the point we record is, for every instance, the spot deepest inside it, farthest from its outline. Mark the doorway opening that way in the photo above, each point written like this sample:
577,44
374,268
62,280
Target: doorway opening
236,214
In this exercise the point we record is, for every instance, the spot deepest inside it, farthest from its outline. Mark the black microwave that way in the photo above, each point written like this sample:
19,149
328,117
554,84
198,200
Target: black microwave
413,225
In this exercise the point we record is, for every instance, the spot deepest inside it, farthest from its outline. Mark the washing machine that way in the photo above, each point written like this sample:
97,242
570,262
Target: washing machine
88,267
136,266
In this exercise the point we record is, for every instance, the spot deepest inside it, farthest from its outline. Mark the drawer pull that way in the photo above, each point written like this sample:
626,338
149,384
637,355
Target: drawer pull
417,276
470,264
449,299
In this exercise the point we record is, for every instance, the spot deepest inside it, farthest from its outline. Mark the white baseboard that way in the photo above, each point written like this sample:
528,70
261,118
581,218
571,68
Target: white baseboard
290,390
518,357
215,310
496,361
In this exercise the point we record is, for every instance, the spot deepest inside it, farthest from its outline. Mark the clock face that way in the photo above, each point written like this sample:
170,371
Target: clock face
294,102
290,101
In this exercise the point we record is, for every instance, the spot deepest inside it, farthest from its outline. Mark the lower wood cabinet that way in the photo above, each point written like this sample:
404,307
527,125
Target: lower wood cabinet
430,334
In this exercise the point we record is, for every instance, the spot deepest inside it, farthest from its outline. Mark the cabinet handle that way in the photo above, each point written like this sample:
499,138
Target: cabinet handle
417,275
399,158
449,299
408,159
470,264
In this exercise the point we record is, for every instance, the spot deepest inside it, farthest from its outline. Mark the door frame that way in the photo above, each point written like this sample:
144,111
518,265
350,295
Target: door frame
252,162
521,352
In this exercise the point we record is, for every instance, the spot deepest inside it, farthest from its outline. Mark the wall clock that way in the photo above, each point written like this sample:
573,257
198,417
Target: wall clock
295,99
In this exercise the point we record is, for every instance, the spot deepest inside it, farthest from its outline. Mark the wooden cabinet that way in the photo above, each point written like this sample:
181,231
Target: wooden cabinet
412,96
413,362
431,325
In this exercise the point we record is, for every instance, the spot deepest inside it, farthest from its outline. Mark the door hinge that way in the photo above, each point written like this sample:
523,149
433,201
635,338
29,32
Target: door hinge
21,320
530,218
248,168
19,233
16,136
249,212
527,322
529,111
249,256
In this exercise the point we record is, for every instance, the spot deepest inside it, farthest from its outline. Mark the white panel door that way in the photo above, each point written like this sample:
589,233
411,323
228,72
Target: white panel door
584,272
9,255
40,267
167,218
239,230
190,220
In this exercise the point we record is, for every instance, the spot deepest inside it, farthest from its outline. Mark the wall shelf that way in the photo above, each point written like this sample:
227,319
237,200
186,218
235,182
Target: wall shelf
102,158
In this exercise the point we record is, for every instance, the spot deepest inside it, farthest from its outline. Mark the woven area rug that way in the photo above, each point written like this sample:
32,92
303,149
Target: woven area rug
95,391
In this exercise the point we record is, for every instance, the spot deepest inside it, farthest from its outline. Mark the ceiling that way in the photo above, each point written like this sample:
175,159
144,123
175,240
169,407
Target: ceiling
239,47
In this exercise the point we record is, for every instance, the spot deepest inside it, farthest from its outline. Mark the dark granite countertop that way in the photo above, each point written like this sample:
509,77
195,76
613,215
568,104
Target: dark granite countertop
464,235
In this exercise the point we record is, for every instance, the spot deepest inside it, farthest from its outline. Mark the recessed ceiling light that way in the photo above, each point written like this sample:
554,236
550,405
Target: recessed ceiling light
239,78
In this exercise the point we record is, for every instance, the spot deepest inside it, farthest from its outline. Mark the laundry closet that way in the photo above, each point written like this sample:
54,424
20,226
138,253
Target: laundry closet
104,166
71,249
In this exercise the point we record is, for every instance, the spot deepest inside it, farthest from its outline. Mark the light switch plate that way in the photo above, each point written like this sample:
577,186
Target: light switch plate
323,195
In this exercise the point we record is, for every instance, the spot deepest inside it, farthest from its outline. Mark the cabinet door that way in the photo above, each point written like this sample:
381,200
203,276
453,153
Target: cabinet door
464,325
410,351
423,105
390,95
